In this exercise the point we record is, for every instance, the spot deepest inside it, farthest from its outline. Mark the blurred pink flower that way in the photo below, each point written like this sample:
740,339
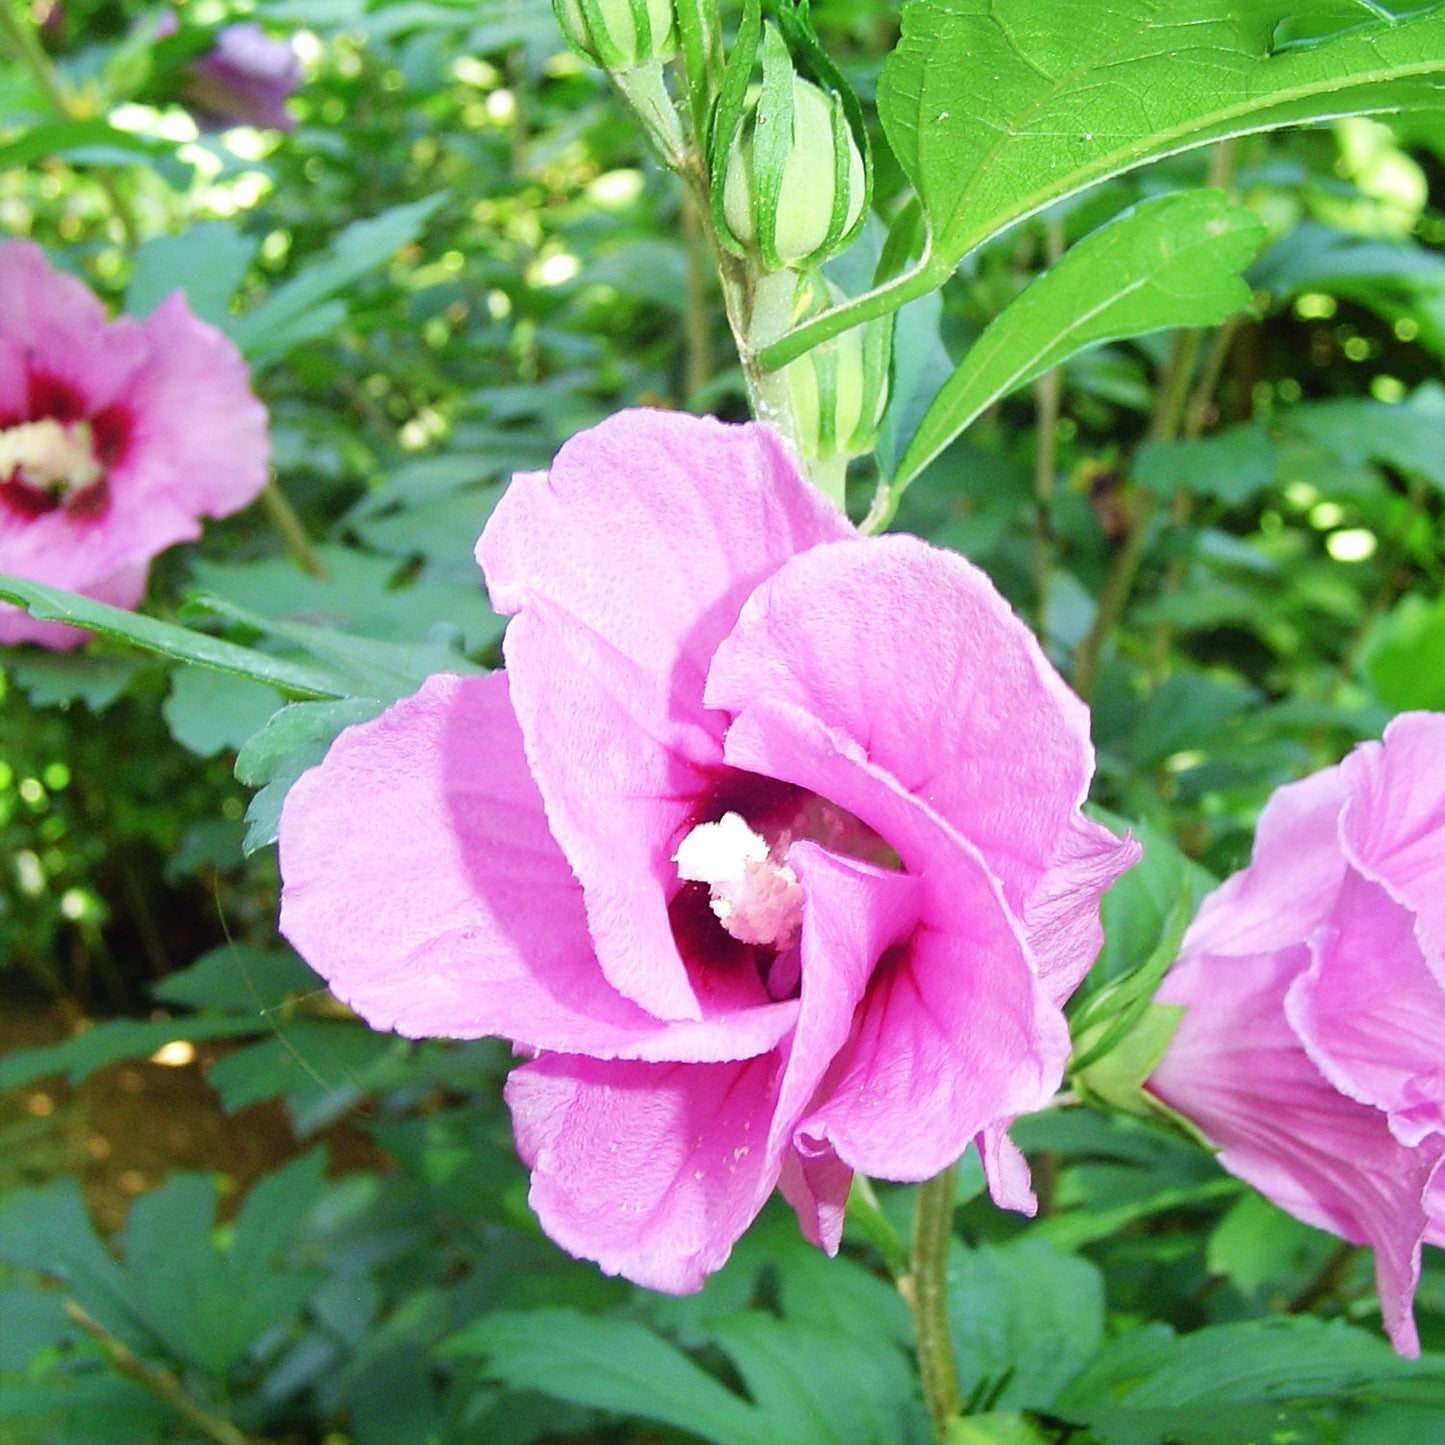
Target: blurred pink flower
1312,1048
766,847
115,437
246,79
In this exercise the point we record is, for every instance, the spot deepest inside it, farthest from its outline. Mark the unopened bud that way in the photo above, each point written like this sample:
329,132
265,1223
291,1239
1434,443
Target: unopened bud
795,183
618,35
839,390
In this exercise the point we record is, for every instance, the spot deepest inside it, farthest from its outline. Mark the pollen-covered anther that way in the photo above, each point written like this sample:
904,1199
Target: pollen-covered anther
757,898
49,455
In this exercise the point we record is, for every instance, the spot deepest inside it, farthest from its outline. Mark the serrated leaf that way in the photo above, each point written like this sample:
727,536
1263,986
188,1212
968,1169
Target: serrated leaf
57,679
206,262
1231,466
295,311
53,604
610,1364
998,108
208,712
1171,261
815,1387
1026,1317
1236,1382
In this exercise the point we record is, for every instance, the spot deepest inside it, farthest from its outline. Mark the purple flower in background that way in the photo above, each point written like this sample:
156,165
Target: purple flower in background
246,79
115,437
1312,1046
766,848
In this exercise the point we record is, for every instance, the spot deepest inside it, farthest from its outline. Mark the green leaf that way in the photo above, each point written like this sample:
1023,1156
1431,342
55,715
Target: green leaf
52,604
1404,655
240,978
294,312
206,262
208,713
610,1364
816,1387
1171,261
57,679
1227,1383
1026,1318
48,1229
94,140
1232,466
998,108
111,1041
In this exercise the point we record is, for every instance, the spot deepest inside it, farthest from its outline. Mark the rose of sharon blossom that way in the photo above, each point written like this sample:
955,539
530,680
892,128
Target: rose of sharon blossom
115,437
246,79
1312,1046
766,848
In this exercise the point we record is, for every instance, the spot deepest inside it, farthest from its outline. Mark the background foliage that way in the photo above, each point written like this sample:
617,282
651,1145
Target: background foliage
1228,532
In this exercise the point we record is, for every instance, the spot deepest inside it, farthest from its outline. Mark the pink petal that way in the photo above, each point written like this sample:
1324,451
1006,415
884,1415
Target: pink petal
955,1033
1289,887
1371,1014
911,652
653,1170
816,1182
1394,826
652,528
421,881
1237,1070
1007,1171
621,762
200,433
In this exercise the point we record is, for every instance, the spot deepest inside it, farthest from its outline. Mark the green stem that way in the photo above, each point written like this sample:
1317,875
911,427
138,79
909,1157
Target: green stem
926,1289
1170,401
161,1383
1048,397
697,334
282,516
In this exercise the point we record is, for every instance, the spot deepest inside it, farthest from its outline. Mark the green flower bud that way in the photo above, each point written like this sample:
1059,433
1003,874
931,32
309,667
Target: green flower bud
794,184
618,34
839,390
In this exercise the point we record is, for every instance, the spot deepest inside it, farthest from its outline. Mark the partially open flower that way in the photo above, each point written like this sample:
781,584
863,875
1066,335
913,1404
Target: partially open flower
1312,1045
246,79
766,848
115,437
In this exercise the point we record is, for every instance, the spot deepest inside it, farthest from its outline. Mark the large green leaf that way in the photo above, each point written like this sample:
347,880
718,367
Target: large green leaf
997,108
610,1364
1257,1380
1171,261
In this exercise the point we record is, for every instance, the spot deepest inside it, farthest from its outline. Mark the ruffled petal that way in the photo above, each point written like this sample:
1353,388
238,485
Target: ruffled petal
652,1170
620,762
1371,1014
1290,885
912,653
955,1032
199,432
651,529
1237,1070
421,881
1393,828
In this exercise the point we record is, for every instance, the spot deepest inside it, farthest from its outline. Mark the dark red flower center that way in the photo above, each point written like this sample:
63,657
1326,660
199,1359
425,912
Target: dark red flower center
740,900
56,456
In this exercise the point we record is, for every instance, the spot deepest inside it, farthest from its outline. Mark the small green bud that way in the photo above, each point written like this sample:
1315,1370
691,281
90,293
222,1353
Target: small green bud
839,390
618,34
794,183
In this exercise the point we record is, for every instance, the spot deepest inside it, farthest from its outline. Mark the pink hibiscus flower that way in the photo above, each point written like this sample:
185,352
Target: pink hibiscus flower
115,437
1312,1047
766,847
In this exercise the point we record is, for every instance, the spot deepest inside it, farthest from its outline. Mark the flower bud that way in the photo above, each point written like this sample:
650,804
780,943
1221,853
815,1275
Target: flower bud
618,34
839,390
795,184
